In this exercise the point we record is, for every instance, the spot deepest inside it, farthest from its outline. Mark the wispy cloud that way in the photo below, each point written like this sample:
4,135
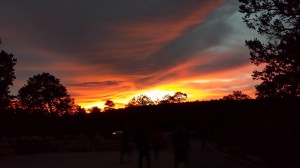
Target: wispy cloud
95,84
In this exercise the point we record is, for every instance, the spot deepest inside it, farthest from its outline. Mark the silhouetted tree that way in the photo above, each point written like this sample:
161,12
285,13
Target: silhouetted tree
236,95
279,21
14,102
95,110
141,100
67,105
144,100
178,97
79,109
167,99
7,75
45,93
131,103
157,101
109,105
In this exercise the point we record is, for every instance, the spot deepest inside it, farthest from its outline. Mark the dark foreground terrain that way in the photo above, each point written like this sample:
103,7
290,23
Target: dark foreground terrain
110,159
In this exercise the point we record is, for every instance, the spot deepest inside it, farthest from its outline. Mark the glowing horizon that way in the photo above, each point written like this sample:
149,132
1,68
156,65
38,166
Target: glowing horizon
197,88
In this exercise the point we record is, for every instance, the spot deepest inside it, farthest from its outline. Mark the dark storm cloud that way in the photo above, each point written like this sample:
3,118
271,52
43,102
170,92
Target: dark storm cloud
121,45
73,29
96,33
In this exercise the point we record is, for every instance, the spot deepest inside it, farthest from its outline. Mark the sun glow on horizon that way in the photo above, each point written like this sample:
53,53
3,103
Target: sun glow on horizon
118,104
201,89
157,94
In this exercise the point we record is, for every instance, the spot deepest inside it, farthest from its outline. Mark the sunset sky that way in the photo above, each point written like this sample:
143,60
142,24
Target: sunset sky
118,49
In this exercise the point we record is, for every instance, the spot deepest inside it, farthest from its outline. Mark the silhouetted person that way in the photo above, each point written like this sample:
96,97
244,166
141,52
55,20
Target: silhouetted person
143,145
204,136
181,146
125,145
156,143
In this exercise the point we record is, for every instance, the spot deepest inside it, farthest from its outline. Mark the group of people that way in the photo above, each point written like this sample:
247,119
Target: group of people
147,140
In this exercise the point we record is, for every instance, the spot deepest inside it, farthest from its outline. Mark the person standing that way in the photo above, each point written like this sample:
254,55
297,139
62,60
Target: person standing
143,145
125,145
156,143
181,146
204,136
